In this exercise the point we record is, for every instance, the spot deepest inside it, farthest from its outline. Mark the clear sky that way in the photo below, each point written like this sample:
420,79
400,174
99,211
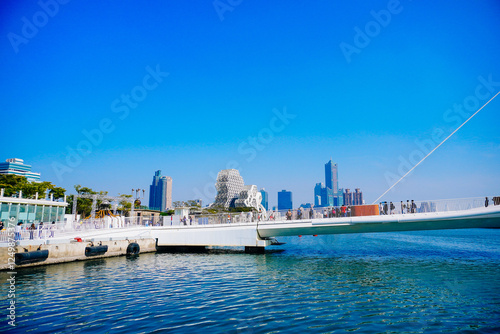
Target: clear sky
104,93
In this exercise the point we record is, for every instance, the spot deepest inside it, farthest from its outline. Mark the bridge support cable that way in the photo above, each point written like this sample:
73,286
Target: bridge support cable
468,119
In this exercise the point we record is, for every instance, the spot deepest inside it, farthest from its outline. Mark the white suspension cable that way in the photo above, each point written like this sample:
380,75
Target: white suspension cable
468,119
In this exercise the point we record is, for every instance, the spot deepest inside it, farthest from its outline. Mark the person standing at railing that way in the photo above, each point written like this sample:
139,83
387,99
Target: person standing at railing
32,230
486,202
52,229
413,207
288,215
40,228
18,231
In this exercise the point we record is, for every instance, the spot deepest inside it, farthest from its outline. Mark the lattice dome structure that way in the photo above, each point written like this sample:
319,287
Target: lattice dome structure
229,185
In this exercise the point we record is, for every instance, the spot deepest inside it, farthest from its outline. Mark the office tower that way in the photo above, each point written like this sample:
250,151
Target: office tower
317,194
338,200
265,199
229,184
357,197
347,197
285,200
160,192
326,197
331,176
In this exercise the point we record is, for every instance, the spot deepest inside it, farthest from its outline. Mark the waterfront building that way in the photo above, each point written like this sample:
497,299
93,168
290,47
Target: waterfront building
285,200
28,211
229,184
331,176
326,197
357,197
18,167
265,199
347,197
338,199
317,194
160,192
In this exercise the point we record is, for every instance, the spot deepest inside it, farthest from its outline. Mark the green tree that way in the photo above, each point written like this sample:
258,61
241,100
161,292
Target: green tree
13,184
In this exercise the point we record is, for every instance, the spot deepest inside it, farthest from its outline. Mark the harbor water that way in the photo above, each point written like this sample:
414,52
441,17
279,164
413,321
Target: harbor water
411,282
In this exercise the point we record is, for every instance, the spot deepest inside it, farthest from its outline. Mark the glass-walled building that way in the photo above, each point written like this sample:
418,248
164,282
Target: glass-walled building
30,211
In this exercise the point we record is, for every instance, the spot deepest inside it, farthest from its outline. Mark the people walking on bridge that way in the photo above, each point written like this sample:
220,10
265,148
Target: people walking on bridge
385,208
402,208
343,210
392,206
311,213
413,207
486,202
289,215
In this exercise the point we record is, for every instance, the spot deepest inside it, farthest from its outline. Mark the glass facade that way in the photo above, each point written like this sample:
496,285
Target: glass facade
29,213
285,200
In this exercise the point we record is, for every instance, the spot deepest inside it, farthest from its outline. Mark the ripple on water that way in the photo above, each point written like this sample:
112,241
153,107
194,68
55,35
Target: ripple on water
372,283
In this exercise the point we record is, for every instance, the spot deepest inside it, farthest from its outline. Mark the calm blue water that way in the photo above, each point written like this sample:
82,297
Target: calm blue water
435,281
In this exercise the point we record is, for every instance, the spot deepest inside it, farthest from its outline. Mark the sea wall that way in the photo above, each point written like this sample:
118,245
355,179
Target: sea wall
73,251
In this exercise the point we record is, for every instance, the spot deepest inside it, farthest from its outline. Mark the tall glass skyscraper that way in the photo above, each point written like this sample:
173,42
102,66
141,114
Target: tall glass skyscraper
285,200
160,192
265,199
332,176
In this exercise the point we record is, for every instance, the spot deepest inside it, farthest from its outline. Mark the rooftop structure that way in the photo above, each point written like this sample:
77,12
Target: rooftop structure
18,167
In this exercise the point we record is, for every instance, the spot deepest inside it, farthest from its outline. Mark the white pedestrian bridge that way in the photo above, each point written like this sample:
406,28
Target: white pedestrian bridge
262,234
239,230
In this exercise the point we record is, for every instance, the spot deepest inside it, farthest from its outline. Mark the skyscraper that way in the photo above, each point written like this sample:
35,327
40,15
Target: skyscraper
331,176
317,194
357,197
285,200
347,197
265,199
160,192
326,197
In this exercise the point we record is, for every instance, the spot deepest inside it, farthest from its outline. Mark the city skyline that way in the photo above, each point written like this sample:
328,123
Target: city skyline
103,95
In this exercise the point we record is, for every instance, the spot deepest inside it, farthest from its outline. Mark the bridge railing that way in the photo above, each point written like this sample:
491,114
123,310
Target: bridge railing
445,205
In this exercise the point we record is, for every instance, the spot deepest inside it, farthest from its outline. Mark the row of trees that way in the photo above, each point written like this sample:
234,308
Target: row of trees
14,184
84,205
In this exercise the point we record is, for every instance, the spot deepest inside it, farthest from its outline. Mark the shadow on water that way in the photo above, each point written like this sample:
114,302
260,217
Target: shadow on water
91,265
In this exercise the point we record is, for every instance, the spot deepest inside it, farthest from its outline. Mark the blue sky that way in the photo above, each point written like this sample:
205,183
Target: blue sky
104,94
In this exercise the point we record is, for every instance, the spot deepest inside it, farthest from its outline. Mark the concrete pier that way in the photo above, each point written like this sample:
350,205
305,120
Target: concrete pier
73,251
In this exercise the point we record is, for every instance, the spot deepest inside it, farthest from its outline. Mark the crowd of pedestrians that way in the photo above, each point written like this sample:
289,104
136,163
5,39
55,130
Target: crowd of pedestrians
31,232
